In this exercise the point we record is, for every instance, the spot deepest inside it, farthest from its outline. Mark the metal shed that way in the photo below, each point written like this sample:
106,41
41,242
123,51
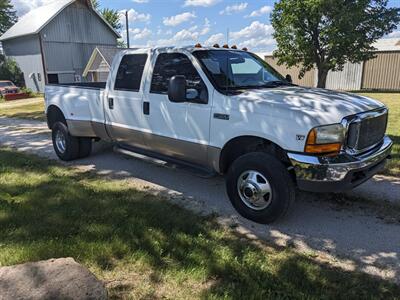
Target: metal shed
379,73
383,71
308,79
53,43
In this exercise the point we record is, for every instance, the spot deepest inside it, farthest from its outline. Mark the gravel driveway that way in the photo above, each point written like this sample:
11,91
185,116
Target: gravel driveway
354,235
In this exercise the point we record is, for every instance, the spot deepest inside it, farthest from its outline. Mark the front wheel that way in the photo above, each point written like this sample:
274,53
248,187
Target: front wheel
260,187
65,145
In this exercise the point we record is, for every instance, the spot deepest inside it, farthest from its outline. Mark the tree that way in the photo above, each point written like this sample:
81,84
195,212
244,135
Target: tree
8,16
328,33
9,70
110,15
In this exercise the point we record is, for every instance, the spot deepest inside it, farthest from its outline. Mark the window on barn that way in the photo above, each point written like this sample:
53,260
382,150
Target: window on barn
52,78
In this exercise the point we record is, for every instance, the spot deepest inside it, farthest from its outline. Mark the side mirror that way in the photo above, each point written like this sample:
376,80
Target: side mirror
289,78
177,89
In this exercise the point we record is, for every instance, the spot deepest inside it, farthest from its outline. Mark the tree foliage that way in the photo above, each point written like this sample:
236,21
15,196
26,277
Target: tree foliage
328,33
8,15
110,15
9,70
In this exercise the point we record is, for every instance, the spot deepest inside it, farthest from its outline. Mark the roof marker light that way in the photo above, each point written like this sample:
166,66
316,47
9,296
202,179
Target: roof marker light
233,47
225,46
244,49
216,46
198,45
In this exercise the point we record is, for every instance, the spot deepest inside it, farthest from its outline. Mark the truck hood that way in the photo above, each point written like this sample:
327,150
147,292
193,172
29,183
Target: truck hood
321,105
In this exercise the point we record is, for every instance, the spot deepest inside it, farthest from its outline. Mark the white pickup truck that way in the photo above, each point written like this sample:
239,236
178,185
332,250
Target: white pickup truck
225,111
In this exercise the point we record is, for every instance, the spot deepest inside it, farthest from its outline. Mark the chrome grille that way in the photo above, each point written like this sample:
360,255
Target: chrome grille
366,130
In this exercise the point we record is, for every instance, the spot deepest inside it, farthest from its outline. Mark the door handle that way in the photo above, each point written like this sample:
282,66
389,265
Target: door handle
146,108
111,103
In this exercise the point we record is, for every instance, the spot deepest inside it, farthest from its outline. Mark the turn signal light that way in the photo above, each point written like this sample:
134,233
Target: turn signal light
325,149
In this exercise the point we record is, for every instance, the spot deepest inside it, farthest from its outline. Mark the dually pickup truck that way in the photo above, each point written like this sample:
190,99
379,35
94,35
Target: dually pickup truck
225,111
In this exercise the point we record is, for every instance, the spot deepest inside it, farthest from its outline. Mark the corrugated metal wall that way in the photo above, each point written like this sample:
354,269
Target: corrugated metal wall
26,52
70,38
348,79
382,72
307,80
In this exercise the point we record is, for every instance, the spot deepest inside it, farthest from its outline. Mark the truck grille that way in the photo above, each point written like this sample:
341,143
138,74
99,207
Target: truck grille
364,132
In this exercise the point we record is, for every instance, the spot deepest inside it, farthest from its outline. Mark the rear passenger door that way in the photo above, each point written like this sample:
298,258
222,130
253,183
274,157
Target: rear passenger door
180,130
124,102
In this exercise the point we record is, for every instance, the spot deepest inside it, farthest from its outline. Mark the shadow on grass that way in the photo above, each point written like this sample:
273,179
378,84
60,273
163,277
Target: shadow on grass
39,116
47,211
393,165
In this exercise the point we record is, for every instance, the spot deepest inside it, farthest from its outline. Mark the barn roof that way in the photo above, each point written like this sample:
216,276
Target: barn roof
389,44
34,21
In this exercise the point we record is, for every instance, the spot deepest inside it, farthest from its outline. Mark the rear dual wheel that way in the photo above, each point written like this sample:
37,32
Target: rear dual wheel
68,147
260,187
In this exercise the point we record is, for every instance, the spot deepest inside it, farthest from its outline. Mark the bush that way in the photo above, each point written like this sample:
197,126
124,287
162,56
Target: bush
28,92
9,70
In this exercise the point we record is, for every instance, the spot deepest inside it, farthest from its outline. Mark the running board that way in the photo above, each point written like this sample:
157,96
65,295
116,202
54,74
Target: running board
166,162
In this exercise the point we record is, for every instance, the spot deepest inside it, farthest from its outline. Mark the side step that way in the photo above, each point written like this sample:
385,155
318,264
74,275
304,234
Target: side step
166,162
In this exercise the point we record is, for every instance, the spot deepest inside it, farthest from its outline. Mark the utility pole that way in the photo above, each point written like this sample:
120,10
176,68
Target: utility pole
127,28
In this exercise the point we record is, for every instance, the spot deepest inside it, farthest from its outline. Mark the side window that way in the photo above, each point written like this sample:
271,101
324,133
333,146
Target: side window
171,64
130,71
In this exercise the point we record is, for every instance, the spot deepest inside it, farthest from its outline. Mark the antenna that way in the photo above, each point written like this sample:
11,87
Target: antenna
227,36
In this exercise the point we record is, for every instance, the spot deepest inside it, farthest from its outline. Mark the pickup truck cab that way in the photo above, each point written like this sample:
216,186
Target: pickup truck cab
225,111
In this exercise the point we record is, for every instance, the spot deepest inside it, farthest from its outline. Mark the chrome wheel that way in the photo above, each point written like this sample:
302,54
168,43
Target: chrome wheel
254,190
61,143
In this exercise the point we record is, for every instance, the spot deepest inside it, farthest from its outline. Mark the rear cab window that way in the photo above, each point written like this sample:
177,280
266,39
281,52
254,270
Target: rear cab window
130,72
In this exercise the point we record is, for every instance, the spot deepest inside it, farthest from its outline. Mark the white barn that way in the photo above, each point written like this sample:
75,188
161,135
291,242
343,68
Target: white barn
53,43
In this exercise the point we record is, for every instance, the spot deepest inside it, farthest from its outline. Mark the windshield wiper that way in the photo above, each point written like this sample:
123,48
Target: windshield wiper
269,84
277,83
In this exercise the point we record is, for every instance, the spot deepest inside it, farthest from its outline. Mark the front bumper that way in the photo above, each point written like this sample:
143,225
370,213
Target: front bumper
339,173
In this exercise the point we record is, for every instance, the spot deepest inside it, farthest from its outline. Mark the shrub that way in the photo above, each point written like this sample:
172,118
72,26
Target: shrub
9,70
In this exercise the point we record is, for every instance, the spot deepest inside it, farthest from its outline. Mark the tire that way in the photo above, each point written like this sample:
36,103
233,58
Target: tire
85,147
253,201
65,145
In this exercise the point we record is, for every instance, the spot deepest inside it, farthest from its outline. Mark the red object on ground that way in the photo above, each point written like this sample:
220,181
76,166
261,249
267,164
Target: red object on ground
15,96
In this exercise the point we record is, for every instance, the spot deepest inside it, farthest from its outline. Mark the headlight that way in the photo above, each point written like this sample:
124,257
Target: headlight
325,139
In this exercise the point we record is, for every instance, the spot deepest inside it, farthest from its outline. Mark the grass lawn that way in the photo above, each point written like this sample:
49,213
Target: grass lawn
34,109
144,247
31,108
392,101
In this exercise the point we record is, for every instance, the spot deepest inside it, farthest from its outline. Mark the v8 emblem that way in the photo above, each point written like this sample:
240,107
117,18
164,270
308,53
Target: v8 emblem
300,137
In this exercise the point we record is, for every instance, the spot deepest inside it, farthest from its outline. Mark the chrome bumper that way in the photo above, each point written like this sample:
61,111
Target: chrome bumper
341,172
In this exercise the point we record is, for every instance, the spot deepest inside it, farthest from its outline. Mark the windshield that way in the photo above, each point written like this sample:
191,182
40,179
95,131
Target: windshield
238,70
6,84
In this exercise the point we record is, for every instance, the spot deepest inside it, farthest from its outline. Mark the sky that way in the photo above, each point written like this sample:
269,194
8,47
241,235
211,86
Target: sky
187,22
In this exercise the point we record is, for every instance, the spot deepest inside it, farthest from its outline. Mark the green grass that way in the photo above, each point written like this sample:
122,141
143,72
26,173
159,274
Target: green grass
31,108
392,101
144,247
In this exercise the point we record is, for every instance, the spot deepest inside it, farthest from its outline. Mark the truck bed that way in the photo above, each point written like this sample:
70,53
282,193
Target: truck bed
81,104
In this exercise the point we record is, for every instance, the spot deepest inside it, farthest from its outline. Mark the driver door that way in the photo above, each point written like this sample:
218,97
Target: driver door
179,130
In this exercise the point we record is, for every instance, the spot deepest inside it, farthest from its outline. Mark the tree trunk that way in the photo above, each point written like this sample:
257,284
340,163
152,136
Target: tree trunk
322,75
